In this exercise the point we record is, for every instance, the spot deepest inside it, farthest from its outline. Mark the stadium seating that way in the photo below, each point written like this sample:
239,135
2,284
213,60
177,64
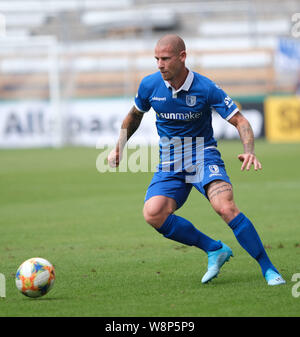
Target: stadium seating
105,47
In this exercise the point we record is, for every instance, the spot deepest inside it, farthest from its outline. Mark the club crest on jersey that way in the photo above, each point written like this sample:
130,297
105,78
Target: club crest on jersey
190,100
214,168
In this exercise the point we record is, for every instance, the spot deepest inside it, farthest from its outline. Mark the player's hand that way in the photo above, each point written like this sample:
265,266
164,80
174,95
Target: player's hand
114,158
249,159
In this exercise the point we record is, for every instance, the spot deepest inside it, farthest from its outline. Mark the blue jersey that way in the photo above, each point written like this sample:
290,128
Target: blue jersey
185,113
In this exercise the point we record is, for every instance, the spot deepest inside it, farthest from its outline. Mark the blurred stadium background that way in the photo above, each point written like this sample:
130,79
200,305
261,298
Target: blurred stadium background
70,68
69,71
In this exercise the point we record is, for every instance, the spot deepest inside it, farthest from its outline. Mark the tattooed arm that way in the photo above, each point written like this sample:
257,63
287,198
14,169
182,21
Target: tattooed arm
248,158
130,124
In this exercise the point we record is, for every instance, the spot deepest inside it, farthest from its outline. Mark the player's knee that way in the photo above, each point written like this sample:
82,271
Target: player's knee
227,211
154,216
156,212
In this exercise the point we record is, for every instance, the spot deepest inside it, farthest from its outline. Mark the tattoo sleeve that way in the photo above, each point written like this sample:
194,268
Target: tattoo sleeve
247,136
218,187
130,124
245,131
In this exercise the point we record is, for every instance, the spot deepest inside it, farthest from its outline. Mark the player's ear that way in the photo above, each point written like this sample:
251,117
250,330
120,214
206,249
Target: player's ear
182,55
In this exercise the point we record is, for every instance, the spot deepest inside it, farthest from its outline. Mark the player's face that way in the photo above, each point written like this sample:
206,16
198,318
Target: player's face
169,62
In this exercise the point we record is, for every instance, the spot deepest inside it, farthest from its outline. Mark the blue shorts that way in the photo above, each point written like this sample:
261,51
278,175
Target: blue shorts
178,185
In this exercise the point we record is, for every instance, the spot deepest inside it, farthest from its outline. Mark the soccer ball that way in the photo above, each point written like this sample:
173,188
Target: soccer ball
35,277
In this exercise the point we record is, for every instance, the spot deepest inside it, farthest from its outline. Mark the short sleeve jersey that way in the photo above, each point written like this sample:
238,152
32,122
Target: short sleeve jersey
186,112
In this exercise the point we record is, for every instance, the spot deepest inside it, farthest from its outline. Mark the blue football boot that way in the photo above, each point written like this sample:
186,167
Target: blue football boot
273,278
216,259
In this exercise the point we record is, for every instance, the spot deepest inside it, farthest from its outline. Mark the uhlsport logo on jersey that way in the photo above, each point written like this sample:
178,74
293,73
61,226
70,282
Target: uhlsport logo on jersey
159,99
190,100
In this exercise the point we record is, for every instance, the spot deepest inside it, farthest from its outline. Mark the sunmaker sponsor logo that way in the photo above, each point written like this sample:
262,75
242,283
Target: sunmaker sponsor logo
186,116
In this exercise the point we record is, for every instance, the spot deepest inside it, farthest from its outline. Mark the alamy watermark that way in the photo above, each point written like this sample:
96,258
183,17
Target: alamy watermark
296,286
2,286
2,25
295,31
174,155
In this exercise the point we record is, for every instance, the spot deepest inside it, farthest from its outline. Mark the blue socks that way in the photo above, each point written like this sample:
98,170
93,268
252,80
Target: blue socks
248,238
181,230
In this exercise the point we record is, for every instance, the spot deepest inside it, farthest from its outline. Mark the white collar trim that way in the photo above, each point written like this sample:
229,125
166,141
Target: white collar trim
186,85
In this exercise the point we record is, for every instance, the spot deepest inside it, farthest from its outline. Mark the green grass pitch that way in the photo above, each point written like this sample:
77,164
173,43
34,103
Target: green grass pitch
109,262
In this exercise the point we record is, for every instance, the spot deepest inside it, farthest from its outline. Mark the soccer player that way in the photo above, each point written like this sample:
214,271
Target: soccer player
183,101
